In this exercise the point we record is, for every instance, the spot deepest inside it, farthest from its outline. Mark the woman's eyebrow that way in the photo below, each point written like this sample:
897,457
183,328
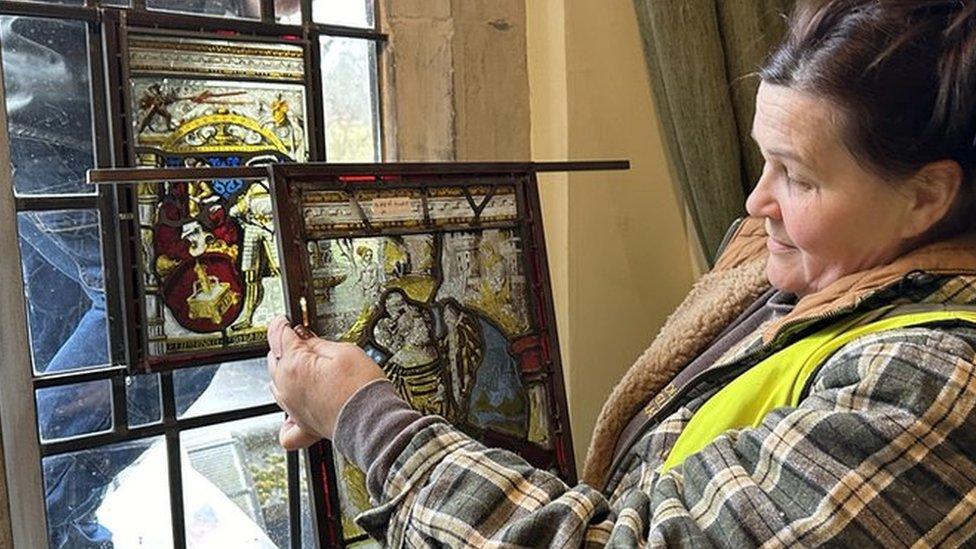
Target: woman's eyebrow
789,155
781,153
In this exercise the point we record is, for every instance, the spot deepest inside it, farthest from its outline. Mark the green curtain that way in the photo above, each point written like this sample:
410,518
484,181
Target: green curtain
701,55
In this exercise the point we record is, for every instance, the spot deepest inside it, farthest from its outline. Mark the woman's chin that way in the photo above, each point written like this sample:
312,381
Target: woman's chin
783,277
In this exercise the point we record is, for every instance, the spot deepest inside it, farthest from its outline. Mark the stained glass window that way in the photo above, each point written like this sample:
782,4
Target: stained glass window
210,269
436,277
85,85
439,275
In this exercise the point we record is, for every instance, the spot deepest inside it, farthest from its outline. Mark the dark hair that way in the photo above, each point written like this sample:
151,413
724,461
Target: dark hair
904,74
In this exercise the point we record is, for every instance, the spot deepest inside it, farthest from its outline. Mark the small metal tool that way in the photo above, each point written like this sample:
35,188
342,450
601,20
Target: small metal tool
302,329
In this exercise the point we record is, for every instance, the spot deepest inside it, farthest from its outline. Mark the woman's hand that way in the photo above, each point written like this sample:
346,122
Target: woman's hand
311,379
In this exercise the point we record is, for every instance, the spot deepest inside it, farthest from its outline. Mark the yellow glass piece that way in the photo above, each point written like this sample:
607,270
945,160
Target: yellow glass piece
211,298
418,288
223,141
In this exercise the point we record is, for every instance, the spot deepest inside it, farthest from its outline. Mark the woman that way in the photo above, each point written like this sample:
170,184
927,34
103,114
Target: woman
818,386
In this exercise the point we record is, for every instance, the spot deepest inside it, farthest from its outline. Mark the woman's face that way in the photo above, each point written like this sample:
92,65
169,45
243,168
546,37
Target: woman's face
825,214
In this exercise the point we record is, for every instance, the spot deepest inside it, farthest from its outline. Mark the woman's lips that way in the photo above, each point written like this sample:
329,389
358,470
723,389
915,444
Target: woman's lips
775,246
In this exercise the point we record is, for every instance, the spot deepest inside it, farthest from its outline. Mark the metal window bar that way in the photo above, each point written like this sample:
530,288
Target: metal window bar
140,15
267,12
170,423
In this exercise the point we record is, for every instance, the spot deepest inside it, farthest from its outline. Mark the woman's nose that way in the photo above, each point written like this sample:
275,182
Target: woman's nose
761,201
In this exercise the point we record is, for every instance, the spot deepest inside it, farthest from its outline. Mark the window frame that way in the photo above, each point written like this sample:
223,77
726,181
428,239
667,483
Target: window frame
106,32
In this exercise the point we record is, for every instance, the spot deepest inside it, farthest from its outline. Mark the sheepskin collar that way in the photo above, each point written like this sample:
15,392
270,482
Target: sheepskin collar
721,295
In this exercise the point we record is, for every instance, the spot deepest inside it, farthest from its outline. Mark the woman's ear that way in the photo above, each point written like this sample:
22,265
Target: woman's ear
932,192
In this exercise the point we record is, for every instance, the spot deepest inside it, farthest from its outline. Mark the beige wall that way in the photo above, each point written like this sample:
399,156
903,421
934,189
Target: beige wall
456,80
617,242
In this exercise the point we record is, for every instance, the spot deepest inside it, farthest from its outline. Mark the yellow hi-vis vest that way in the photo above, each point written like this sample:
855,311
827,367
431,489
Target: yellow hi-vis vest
779,379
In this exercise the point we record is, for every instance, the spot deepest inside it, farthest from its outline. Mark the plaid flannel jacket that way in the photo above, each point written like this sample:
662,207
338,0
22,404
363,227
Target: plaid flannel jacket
882,451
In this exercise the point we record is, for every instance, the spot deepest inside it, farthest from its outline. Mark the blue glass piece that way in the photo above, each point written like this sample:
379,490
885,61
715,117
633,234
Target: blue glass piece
377,355
498,400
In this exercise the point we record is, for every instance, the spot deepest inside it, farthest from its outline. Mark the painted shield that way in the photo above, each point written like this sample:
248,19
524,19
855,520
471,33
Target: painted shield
204,294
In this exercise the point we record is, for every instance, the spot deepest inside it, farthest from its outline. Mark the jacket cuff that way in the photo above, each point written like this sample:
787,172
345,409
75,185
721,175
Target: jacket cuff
373,428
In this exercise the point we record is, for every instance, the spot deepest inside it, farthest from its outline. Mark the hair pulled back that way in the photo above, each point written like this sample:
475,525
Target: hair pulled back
904,74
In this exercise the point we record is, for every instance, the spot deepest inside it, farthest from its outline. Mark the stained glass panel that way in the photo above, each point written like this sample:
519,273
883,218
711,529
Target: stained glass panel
210,265
432,280
211,272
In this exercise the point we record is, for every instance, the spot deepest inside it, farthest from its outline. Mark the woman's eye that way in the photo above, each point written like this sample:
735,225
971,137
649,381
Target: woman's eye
798,184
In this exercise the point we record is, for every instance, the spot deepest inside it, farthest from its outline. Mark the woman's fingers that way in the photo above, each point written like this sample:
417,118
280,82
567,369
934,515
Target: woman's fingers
282,341
287,338
275,329
292,436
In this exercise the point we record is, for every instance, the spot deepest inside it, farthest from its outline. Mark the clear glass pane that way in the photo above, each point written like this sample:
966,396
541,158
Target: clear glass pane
308,526
45,69
235,485
349,13
61,253
350,99
246,9
219,388
288,12
143,399
74,410
61,2
114,495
